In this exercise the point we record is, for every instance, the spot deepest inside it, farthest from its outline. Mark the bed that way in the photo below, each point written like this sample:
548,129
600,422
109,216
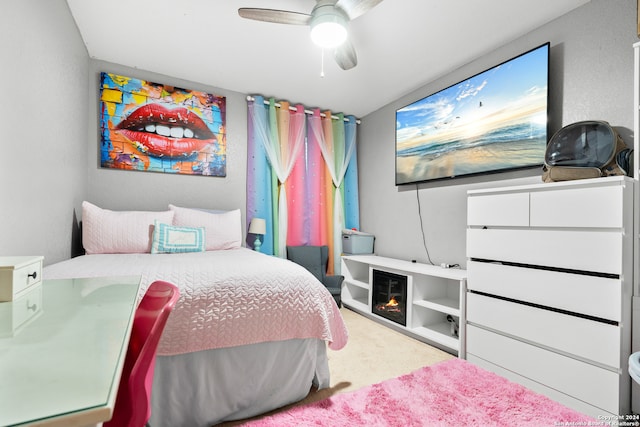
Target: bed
249,333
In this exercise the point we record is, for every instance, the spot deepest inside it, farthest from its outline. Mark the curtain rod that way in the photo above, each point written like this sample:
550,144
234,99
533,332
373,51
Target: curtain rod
292,108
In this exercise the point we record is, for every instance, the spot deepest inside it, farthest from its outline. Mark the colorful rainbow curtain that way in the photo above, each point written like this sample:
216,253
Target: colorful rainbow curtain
302,176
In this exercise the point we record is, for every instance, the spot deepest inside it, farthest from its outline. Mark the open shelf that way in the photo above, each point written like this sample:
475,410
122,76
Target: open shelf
356,294
437,333
445,305
358,284
355,271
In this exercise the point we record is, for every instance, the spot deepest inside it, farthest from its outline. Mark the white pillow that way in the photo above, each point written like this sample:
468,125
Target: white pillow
118,232
223,230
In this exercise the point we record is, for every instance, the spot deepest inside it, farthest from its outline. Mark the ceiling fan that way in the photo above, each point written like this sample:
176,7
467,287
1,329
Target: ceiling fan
328,21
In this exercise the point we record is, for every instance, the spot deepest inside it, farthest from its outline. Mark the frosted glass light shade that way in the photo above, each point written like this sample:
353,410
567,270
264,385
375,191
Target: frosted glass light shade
328,28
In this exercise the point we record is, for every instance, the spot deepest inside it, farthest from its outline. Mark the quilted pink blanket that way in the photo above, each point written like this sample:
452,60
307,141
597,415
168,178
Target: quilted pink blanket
227,298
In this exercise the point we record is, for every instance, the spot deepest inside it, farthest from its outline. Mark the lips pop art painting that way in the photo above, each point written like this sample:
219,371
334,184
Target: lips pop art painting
147,126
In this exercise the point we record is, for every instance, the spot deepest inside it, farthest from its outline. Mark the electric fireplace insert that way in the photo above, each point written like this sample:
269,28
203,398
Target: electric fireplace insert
389,296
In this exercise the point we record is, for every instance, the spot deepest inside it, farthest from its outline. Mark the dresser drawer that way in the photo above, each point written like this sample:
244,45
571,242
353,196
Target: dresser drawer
579,207
584,338
596,386
594,296
511,209
596,251
17,274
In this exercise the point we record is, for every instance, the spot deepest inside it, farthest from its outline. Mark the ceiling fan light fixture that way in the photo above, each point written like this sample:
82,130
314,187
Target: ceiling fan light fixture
328,28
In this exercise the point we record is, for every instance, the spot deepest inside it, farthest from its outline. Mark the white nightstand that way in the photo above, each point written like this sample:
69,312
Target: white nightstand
18,274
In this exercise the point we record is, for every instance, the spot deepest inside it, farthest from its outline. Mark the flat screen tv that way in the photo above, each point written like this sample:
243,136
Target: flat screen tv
495,121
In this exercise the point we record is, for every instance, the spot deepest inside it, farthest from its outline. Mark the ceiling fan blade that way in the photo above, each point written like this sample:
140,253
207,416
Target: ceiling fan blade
355,8
273,15
345,56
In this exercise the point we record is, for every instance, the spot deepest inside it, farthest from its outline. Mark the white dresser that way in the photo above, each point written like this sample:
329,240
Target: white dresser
550,275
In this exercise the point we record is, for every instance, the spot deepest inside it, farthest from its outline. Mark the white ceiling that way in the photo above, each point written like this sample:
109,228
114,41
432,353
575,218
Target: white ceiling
401,44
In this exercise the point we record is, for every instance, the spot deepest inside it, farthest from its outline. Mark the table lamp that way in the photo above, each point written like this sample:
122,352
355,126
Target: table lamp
258,227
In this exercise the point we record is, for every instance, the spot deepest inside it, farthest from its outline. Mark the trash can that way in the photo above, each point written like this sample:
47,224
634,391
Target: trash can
634,372
634,366
634,359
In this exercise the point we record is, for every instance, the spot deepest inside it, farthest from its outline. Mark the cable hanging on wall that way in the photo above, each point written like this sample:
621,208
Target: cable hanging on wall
424,239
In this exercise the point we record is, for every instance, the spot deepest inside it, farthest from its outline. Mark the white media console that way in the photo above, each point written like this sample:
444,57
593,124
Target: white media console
433,293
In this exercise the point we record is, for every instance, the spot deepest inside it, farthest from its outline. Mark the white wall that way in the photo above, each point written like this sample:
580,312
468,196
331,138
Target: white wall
591,73
43,117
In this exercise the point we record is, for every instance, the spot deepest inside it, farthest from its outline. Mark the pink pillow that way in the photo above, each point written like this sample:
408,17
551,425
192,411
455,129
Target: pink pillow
118,232
223,230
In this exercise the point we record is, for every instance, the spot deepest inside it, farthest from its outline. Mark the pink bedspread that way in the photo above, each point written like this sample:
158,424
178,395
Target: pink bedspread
227,298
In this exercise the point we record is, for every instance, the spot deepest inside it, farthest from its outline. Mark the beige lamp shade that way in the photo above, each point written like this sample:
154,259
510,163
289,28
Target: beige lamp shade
258,226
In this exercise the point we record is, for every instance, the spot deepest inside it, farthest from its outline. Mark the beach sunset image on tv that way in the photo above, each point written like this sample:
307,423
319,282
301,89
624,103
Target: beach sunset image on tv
493,121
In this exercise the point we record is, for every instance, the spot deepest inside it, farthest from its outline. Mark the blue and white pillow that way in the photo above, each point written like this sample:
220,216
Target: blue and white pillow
171,239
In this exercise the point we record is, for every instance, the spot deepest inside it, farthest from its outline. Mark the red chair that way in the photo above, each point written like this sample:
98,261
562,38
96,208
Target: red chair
133,402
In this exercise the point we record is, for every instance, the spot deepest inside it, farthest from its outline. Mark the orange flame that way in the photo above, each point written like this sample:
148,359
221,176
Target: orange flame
392,302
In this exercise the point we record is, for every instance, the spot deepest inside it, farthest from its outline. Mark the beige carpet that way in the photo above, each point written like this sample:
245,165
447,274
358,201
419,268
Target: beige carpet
373,354
376,353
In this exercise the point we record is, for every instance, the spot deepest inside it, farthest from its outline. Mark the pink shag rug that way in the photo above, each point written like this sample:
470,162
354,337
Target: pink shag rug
450,393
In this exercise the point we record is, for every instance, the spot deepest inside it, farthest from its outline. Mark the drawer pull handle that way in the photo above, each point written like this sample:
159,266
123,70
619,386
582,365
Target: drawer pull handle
32,307
34,275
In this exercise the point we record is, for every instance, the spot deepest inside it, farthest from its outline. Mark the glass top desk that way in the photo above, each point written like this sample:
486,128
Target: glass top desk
62,348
